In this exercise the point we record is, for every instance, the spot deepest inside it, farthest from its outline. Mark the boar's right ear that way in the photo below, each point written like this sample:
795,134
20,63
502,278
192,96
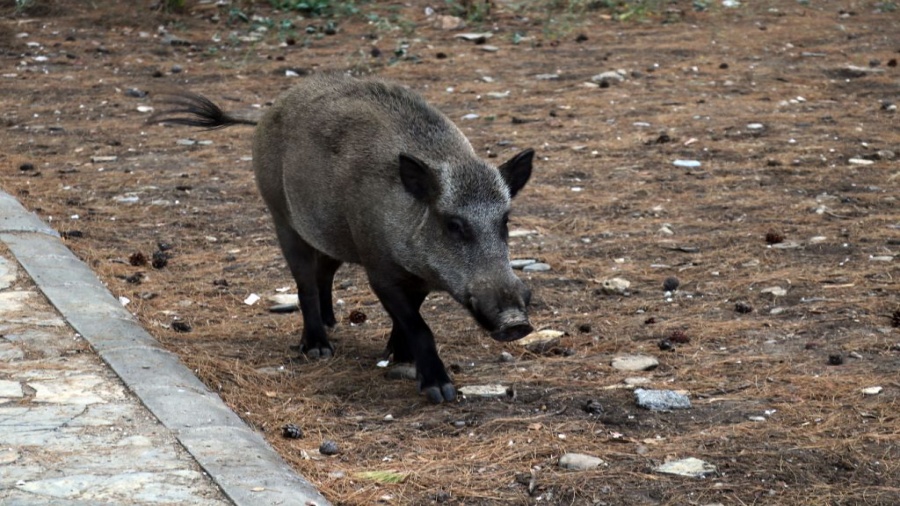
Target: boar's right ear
517,170
418,178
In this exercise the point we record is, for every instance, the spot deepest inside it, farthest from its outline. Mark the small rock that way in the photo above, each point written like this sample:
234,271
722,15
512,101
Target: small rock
580,462
610,77
536,267
522,233
615,286
666,345
284,298
851,71
776,291
470,116
671,284
872,390
835,359
135,93
634,381
26,167
177,69
507,357
584,328
251,299
103,159
687,164
449,23
401,371
478,38
490,49
757,418
144,108
541,341
755,127
328,447
856,355
484,391
521,262
860,161
547,77
661,400
691,467
284,308
635,363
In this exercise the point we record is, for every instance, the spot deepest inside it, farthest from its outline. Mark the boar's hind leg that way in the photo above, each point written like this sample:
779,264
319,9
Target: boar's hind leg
325,269
303,261
412,338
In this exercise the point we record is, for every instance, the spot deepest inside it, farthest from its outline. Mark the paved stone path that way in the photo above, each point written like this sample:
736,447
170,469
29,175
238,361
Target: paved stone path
94,411
70,433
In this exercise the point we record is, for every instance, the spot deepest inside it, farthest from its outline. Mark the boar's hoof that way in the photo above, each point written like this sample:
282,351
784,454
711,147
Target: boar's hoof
438,394
316,352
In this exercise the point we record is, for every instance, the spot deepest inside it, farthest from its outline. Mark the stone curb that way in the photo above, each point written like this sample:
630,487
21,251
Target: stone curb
236,457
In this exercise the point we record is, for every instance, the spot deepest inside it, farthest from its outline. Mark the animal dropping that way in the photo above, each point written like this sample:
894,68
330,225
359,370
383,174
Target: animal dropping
365,171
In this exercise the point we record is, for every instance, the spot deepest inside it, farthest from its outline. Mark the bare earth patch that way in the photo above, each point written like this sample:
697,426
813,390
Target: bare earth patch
783,239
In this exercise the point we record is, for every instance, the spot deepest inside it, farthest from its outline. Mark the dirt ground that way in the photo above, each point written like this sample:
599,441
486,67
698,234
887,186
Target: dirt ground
796,189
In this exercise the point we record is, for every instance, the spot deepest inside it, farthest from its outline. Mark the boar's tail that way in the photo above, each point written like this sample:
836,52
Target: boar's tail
196,110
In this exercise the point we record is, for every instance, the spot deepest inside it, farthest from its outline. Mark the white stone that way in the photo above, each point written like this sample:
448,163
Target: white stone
284,298
474,36
637,380
536,267
251,299
580,461
615,286
691,467
872,390
860,161
610,77
776,291
484,391
661,400
541,340
520,263
522,233
634,363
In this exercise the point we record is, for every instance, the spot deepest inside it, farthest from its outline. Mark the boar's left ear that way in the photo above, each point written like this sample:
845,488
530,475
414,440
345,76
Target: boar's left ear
517,170
418,178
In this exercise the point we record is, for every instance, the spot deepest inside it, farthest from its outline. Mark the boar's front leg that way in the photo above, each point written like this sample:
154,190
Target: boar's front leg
411,337
311,269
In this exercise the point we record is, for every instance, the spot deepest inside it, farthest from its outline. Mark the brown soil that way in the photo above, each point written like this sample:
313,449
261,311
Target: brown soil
694,81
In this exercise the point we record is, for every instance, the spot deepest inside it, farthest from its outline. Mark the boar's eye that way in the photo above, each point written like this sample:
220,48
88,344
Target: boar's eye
458,229
504,227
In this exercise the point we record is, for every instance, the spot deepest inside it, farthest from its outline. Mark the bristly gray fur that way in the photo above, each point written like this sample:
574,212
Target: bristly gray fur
365,171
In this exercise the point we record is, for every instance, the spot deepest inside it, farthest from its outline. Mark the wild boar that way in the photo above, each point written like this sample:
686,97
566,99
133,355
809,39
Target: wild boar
365,171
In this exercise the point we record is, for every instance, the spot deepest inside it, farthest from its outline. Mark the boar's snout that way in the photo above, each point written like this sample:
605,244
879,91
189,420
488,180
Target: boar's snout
502,310
512,333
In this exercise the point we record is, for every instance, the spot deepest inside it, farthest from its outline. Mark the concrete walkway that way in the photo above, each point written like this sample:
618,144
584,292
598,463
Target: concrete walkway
94,411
